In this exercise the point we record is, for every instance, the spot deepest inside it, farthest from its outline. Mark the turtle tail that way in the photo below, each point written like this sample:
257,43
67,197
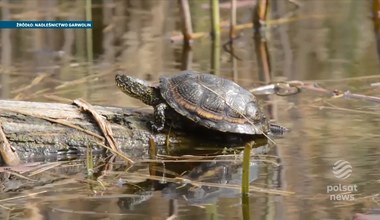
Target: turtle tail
277,129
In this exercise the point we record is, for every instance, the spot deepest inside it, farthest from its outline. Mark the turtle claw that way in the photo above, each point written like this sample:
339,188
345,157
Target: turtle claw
154,127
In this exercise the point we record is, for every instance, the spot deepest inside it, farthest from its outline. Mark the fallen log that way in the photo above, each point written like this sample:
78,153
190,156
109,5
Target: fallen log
35,130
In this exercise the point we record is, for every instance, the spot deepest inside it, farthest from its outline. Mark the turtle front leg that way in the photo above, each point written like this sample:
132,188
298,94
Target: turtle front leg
159,117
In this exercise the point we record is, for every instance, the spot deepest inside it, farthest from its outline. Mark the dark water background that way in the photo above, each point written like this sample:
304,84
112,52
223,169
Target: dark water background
330,42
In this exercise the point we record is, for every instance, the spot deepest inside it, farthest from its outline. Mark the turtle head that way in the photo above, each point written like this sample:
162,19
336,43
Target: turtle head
138,89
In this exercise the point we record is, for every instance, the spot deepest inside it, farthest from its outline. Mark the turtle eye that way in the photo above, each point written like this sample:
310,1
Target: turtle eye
251,110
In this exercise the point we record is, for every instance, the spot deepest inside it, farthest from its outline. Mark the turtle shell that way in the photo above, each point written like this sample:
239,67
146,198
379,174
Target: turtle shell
213,102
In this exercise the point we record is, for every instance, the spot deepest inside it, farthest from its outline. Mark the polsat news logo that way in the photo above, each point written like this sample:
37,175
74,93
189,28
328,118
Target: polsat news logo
342,169
342,192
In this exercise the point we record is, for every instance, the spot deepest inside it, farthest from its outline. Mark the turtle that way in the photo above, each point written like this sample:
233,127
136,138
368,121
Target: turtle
208,100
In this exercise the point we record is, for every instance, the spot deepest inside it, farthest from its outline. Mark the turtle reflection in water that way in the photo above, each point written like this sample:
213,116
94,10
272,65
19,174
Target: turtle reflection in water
205,99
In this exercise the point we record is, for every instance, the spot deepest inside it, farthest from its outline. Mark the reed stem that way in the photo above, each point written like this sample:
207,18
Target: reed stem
187,29
89,32
215,18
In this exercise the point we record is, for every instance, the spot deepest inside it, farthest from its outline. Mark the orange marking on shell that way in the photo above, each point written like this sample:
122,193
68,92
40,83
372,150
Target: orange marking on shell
205,114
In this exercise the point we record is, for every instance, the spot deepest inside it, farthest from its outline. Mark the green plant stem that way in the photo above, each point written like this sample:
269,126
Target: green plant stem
215,18
246,167
89,32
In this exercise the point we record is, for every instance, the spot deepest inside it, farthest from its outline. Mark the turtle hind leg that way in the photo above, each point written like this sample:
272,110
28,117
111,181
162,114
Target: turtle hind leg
277,129
159,117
